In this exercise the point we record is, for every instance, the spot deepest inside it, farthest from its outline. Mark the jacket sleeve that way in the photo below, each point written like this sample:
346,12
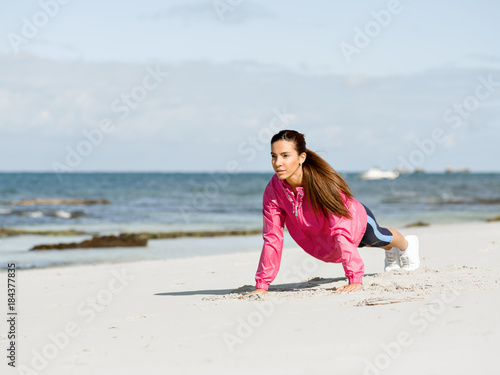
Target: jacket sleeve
354,267
272,233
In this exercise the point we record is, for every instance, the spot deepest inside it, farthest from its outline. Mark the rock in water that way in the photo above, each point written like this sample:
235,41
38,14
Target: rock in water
123,240
417,224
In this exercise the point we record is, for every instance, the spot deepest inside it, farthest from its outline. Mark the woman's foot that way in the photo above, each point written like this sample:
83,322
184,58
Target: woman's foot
410,258
392,259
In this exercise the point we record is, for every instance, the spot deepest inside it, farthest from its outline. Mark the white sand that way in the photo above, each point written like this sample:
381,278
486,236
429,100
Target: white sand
177,316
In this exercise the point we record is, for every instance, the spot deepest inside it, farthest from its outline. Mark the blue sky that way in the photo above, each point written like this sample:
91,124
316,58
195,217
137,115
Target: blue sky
198,85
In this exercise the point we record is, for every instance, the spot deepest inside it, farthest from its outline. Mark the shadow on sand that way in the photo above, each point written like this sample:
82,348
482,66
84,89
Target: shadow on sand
314,282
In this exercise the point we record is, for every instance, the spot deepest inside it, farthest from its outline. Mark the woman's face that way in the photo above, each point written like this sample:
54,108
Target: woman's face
286,160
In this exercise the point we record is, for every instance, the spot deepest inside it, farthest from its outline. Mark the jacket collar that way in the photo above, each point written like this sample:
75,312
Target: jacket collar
287,186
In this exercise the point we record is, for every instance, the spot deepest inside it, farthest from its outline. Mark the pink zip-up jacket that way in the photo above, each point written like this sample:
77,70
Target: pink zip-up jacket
332,238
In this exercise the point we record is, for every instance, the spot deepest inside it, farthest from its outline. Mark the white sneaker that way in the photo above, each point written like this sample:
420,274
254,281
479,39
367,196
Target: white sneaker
410,259
392,259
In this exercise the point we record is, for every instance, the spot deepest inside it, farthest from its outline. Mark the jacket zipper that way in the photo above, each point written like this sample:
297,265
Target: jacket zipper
295,203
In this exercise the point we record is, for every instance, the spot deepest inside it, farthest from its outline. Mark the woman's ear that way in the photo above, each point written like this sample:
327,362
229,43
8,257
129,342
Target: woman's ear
302,158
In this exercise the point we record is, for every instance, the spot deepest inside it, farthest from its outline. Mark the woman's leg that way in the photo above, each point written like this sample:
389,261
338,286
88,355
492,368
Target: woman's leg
377,236
400,252
397,241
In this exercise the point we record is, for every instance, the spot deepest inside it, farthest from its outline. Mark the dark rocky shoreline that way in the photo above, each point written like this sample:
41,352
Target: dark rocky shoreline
122,240
137,239
6,232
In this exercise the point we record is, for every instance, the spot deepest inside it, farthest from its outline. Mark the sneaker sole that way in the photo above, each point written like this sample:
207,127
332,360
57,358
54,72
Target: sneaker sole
389,269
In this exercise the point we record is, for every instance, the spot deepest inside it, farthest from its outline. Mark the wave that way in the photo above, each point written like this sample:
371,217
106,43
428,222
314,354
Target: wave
4,211
60,214
32,214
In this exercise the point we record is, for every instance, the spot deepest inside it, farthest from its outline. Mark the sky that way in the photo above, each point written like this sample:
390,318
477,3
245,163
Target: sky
199,85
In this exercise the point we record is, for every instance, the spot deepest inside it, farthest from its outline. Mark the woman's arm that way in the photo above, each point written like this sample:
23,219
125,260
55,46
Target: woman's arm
354,267
272,233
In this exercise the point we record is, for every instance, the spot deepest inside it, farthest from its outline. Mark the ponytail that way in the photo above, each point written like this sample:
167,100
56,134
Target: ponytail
323,186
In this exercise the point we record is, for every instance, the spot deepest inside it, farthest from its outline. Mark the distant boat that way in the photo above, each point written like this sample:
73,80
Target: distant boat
419,170
378,174
402,170
461,170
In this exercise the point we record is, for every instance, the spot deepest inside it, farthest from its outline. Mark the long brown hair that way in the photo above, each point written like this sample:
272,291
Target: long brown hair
321,182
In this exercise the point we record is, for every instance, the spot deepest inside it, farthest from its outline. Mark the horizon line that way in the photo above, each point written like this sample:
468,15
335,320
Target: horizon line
443,171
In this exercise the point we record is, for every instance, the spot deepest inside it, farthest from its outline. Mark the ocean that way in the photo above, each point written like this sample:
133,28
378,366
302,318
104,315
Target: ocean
163,202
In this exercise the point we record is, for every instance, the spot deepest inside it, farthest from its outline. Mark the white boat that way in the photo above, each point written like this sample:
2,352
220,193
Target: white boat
402,170
378,174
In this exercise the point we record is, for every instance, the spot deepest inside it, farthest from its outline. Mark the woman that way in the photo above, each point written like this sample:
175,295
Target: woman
322,216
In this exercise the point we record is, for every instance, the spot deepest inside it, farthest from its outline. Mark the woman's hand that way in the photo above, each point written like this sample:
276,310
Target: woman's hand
350,288
256,291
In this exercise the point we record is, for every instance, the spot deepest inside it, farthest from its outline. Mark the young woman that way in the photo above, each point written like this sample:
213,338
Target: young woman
322,216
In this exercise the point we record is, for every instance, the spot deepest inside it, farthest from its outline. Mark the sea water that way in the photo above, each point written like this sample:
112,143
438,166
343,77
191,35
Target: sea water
163,202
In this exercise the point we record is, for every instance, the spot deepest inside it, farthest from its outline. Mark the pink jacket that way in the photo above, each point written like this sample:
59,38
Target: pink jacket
331,238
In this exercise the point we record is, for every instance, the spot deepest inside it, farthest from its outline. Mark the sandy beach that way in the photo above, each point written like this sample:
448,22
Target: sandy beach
183,316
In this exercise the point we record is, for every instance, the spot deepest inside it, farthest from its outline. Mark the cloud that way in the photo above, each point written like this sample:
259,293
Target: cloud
492,59
203,111
228,12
